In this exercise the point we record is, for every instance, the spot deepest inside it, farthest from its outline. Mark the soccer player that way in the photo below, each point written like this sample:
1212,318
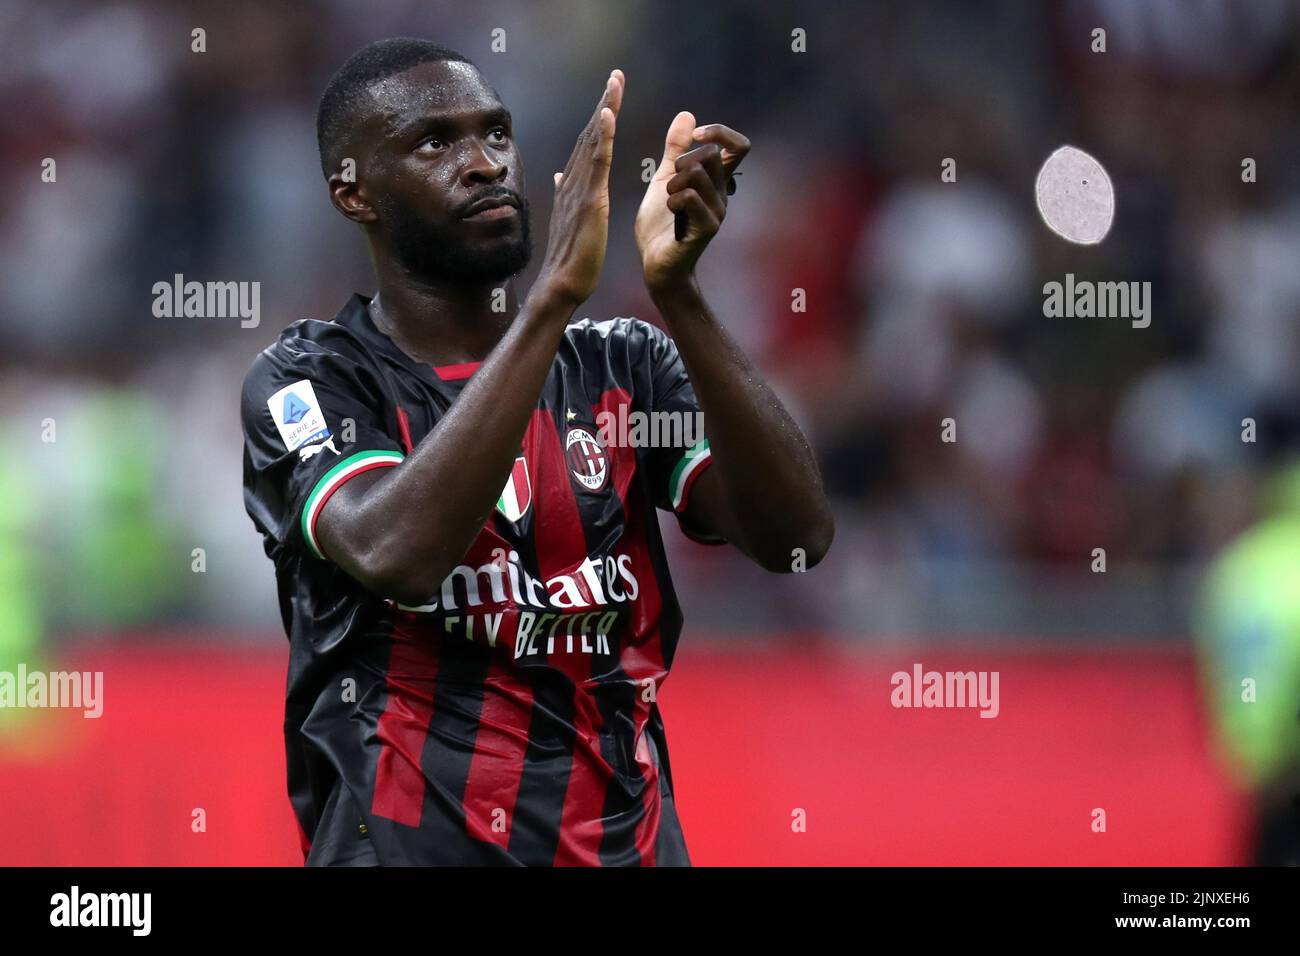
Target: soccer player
473,582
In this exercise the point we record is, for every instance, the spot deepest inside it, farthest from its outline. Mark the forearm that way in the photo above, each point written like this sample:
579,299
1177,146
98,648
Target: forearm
409,528
773,487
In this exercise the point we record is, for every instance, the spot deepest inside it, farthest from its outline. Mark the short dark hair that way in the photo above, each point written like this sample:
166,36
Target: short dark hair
344,98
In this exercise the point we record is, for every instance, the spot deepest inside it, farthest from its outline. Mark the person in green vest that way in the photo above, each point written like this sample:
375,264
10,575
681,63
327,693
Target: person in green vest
1248,637
125,567
21,623
80,518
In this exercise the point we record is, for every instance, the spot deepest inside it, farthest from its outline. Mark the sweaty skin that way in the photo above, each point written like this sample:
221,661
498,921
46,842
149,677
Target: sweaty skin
440,140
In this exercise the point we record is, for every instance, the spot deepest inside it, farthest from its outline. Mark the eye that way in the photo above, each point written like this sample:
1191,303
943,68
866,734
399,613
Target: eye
431,142
498,135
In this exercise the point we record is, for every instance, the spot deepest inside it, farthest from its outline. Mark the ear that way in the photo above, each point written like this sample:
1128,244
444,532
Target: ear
349,198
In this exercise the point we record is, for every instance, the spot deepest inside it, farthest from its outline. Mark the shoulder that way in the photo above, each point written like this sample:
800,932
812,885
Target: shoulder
309,348
310,366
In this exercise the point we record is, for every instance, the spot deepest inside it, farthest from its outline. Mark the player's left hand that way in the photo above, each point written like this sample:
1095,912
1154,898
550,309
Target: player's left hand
690,182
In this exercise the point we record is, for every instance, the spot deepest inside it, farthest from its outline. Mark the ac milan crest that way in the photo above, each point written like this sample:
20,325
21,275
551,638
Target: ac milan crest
588,462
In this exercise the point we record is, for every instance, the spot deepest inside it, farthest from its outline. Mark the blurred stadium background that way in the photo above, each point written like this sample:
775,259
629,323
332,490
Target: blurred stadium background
1119,690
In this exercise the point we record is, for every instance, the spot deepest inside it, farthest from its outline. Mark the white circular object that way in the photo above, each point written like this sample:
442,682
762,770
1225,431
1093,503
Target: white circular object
1075,197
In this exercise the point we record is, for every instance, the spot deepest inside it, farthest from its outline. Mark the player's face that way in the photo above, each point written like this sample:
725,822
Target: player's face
445,176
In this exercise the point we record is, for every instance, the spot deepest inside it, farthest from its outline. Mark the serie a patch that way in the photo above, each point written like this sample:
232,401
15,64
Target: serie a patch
298,415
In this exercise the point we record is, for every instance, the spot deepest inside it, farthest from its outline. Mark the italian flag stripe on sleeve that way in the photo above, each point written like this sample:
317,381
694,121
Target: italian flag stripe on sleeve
696,459
332,481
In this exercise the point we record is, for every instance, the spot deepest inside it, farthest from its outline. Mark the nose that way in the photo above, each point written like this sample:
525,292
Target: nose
481,166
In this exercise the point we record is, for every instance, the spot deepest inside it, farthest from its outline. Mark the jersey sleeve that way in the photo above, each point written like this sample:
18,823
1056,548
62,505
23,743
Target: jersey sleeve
674,468
313,419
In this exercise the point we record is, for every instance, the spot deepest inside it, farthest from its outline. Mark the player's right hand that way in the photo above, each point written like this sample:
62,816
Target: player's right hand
575,250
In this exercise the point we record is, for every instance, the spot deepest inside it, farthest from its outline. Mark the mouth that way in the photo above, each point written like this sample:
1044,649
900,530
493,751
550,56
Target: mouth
493,207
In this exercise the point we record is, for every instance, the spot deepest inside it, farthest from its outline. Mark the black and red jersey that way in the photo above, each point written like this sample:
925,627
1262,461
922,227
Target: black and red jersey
512,717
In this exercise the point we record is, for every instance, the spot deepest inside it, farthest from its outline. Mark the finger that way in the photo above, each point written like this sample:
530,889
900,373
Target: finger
613,91
690,204
696,177
558,177
735,146
615,100
676,142
708,158
604,154
611,99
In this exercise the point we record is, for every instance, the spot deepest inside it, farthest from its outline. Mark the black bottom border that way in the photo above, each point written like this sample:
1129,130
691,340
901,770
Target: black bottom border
298,905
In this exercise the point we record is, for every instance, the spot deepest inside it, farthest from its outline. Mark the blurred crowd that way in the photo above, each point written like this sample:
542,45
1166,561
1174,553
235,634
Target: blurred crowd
122,474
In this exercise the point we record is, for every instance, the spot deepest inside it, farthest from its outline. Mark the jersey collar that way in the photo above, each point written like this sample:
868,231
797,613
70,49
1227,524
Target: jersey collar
355,315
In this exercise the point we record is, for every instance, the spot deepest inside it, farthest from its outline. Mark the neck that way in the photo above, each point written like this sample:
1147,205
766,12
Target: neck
443,323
